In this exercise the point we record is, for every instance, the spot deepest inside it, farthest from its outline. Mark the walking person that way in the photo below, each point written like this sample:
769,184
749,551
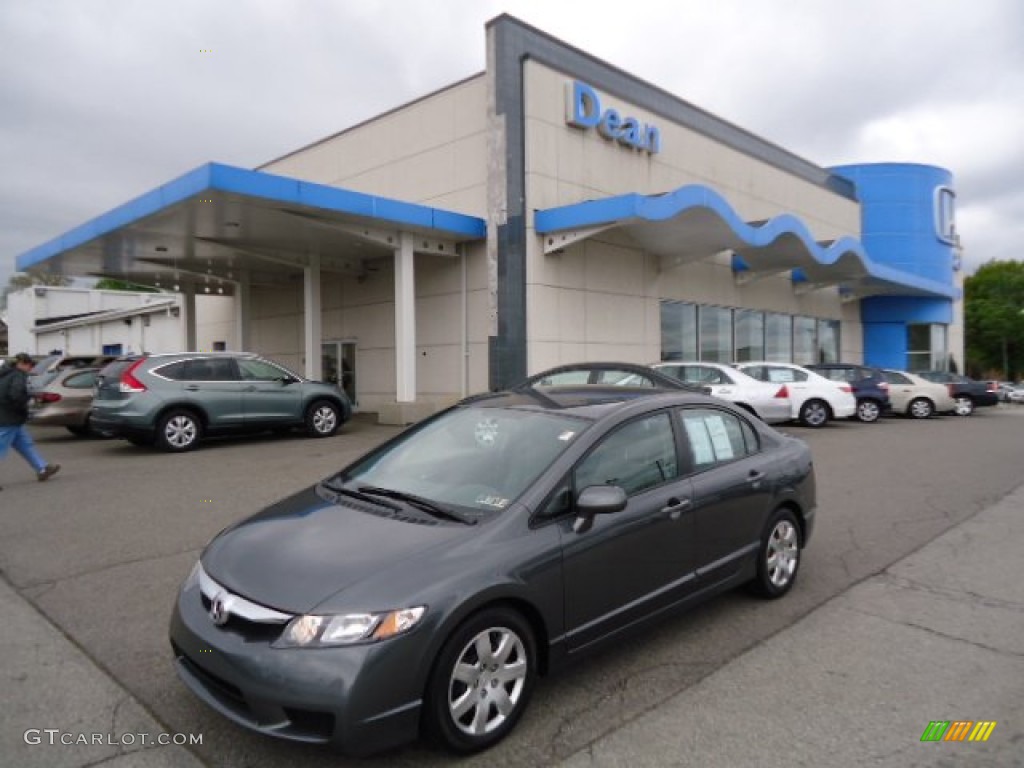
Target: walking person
14,400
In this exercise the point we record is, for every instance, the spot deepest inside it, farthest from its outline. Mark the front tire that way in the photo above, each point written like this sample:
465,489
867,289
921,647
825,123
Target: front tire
964,405
920,408
482,681
814,414
178,431
779,559
868,411
322,419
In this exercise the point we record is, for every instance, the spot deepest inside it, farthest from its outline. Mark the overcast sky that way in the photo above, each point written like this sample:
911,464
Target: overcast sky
102,100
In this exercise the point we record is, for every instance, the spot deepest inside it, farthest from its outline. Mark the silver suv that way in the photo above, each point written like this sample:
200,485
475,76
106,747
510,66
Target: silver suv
176,400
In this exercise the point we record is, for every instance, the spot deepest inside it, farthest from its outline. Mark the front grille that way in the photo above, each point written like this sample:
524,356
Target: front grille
250,631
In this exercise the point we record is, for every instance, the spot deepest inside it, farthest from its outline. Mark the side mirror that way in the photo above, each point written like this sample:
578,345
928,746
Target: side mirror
597,500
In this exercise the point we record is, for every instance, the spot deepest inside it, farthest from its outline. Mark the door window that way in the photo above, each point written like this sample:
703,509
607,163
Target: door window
213,369
259,370
717,437
637,456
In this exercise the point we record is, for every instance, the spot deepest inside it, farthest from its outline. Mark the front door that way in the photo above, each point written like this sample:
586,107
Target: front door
632,563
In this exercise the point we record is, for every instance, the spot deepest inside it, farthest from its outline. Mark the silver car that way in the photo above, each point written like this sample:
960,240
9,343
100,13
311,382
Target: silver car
917,397
770,402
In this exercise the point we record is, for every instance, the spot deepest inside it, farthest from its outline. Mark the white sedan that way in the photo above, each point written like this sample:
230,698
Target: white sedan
770,402
813,398
917,397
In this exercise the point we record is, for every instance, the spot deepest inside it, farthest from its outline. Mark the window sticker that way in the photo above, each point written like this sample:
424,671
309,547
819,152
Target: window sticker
486,433
566,436
700,442
497,502
719,437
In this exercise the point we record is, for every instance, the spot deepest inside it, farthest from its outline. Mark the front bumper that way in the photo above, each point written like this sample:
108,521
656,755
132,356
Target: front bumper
360,699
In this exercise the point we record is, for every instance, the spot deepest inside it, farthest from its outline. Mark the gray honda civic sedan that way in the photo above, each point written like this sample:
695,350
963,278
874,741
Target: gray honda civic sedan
423,588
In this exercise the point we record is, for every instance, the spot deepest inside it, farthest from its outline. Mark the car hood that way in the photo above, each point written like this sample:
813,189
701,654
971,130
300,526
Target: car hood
300,551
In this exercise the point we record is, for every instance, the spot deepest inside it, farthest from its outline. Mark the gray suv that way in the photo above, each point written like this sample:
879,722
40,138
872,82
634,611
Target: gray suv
176,400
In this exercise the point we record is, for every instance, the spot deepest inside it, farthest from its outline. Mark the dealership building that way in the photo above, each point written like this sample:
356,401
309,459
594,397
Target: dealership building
548,210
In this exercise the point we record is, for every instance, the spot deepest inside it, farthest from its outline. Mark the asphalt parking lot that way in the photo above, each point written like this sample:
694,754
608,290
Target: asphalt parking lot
100,551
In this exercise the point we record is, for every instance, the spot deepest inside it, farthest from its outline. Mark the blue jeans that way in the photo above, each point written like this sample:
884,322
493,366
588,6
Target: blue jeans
21,440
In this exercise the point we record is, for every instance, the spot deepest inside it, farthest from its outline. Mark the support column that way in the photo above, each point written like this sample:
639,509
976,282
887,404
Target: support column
405,321
243,307
189,312
312,316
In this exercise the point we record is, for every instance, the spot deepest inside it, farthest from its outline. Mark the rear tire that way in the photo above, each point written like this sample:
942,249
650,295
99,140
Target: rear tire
964,405
178,431
779,559
868,411
920,408
814,414
482,681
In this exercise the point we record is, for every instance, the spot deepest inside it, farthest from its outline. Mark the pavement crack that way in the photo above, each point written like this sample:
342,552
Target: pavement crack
952,593
937,633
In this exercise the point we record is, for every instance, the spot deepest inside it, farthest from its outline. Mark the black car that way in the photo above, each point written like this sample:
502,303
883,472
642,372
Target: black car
967,392
628,375
425,586
868,384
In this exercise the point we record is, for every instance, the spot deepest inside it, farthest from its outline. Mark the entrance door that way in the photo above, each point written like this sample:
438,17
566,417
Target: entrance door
339,366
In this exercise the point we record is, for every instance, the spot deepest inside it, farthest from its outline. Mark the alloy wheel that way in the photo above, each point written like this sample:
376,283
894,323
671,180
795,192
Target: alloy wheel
487,681
868,411
325,419
783,553
180,432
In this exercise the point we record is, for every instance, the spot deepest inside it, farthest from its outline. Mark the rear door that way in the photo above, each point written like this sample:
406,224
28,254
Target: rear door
212,383
632,563
732,489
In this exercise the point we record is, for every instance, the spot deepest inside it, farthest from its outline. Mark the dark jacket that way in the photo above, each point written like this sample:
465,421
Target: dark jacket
14,397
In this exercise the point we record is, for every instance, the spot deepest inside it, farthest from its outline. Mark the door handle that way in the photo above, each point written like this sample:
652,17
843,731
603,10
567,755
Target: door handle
251,388
192,388
755,477
675,507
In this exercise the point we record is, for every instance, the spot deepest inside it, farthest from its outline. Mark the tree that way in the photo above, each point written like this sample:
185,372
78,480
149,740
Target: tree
994,318
20,280
112,284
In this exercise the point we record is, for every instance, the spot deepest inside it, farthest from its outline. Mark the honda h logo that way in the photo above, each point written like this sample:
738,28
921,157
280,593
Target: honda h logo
220,609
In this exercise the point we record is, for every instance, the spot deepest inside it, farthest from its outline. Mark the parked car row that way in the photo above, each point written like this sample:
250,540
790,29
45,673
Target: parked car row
812,395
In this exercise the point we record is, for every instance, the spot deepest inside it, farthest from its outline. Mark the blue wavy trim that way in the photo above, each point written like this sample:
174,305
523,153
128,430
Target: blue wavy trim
846,254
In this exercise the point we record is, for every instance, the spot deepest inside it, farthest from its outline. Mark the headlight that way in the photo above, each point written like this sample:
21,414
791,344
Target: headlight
311,631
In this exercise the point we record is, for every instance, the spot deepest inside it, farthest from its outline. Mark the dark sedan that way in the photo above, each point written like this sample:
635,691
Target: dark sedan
424,587
609,374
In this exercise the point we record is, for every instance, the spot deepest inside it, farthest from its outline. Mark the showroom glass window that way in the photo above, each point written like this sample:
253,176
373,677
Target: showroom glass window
678,330
749,335
805,343
716,334
926,347
778,338
828,341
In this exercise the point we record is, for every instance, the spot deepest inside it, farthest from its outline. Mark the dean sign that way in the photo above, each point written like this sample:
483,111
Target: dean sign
584,110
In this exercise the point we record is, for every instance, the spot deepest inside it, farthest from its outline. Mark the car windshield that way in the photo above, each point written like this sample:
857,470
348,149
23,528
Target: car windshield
477,458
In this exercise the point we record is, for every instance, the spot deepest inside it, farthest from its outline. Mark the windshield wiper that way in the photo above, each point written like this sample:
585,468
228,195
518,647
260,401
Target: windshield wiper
419,502
343,491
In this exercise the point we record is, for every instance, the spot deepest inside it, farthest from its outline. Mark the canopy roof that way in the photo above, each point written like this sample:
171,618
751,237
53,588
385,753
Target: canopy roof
207,225
695,222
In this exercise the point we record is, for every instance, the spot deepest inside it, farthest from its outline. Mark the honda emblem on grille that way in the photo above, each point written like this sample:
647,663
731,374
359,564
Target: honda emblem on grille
220,608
